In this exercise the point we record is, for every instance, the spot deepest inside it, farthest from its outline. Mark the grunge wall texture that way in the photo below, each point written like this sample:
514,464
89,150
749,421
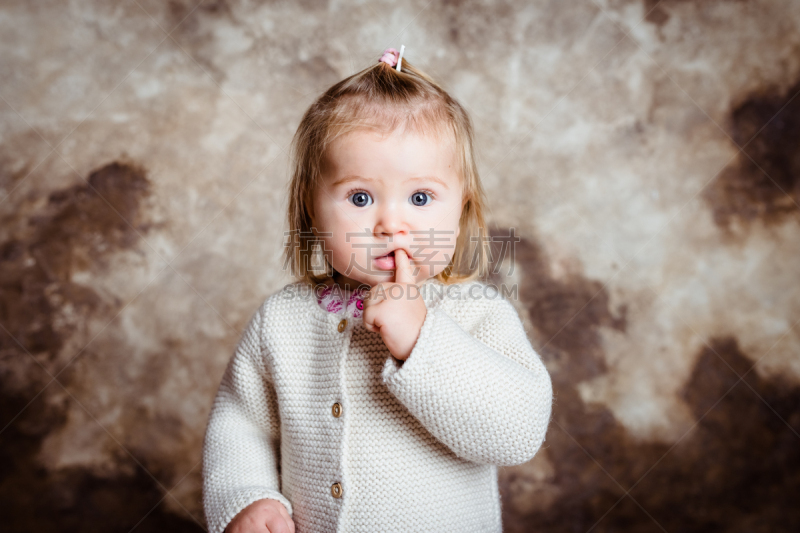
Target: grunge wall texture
647,155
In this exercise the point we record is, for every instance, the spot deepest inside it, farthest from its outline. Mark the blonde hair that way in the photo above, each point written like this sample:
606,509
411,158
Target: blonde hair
379,97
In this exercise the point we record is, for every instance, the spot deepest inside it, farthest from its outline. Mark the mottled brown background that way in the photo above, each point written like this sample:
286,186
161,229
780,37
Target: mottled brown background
646,154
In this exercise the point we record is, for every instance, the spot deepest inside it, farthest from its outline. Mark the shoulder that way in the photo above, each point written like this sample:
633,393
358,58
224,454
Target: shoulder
280,310
473,303
288,299
285,317
472,295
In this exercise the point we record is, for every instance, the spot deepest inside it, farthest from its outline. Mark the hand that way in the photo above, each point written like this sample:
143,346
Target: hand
262,516
397,319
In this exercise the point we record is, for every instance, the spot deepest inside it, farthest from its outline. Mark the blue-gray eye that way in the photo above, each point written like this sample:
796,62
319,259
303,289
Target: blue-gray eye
420,198
360,199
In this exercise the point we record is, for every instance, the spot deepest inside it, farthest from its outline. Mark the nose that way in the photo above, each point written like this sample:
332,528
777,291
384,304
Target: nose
390,221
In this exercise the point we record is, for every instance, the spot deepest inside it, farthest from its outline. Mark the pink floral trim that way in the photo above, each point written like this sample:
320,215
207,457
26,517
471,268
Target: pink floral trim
334,301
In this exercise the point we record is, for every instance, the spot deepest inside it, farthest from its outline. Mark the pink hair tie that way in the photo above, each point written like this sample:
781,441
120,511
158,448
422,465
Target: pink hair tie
391,57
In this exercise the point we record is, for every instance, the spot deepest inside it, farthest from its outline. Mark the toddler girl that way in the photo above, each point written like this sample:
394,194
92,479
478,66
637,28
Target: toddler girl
382,394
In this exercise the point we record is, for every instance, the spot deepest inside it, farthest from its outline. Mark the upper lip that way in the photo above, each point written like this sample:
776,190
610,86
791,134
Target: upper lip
387,252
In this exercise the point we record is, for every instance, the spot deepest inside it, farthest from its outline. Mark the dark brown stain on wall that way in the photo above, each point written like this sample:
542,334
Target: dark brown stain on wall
567,312
737,470
657,11
763,183
78,229
72,499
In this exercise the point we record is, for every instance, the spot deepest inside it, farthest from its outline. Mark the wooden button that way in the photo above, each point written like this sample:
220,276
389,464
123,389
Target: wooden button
342,325
337,410
336,490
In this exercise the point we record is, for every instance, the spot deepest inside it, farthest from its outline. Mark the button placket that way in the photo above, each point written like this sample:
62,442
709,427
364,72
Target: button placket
337,409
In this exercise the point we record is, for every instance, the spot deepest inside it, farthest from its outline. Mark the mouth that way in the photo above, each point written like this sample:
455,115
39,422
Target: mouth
385,262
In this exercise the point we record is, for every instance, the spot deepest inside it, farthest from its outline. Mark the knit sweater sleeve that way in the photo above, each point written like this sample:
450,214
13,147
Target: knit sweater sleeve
485,395
242,441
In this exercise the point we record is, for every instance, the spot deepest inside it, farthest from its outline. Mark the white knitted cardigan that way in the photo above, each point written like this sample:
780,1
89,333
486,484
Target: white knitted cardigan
415,446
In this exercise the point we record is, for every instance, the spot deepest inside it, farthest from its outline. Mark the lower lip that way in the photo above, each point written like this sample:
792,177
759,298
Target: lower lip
385,262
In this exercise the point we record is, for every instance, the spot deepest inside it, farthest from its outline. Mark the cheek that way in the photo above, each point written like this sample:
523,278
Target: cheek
451,225
437,248
345,254
331,224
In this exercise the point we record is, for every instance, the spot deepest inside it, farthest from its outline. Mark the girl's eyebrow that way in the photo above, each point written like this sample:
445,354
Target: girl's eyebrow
348,179
430,178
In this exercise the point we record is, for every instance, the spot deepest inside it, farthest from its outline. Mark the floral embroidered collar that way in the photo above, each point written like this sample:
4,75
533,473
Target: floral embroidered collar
333,299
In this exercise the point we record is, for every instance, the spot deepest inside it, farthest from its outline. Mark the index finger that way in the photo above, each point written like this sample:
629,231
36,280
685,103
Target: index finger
402,272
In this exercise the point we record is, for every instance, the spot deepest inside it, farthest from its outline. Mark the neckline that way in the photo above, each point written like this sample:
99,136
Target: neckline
317,312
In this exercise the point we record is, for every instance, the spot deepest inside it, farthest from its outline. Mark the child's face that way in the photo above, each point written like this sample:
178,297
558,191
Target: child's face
380,193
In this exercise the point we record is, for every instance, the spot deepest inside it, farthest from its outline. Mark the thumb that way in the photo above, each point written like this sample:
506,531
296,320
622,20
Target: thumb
402,272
